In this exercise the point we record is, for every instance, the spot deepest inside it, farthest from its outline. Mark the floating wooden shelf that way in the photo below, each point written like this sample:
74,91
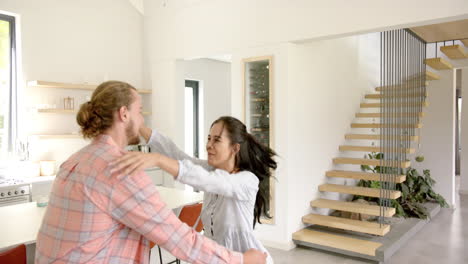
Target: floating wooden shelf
347,224
376,137
259,129
258,99
57,111
58,136
438,64
66,111
454,52
377,115
57,85
368,176
367,209
345,243
259,115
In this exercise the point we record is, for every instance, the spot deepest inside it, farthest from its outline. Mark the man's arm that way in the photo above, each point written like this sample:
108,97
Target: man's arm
135,202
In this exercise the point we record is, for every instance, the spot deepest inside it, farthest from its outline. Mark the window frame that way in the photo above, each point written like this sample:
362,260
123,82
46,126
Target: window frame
196,119
10,119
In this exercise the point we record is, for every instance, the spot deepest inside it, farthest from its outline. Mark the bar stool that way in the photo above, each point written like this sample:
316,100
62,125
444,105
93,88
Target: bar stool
16,255
190,214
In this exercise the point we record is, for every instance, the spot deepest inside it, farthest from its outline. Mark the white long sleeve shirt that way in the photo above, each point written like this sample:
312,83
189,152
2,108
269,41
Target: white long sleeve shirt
229,199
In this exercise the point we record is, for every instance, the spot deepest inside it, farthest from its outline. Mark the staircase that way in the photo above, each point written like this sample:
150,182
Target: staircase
355,237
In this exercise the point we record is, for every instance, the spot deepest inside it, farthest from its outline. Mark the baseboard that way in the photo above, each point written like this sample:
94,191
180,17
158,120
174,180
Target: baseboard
278,245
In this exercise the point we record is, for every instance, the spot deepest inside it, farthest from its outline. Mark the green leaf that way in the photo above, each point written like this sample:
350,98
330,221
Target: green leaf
404,190
379,156
424,188
375,185
416,190
410,182
365,168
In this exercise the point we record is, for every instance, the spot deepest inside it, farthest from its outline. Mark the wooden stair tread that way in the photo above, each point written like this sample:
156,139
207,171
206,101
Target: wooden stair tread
371,125
367,209
347,224
409,86
402,95
371,162
377,115
355,190
465,42
379,105
438,64
376,137
431,76
454,52
368,176
375,149
360,246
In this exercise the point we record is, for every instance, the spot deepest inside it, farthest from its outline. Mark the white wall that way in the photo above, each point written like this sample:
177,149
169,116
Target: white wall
327,83
464,134
438,135
75,42
273,235
317,89
217,27
194,29
215,87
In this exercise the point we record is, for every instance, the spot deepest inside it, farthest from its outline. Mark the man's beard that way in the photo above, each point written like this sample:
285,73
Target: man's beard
132,138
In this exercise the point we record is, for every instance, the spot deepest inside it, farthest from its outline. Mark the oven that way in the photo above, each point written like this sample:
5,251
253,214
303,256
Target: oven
15,194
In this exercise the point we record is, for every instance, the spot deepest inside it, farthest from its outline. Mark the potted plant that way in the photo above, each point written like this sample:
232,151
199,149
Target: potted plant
415,191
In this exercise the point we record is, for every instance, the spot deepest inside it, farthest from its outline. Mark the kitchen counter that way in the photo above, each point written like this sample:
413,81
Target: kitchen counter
37,179
20,223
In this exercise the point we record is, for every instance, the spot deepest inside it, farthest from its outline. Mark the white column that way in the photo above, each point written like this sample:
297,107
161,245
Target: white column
464,135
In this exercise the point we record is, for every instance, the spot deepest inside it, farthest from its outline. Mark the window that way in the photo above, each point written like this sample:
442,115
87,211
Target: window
192,128
8,125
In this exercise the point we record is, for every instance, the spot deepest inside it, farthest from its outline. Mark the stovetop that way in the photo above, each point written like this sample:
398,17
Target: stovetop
10,182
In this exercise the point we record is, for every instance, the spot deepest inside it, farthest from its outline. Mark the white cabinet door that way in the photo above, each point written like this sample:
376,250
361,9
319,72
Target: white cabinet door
156,176
41,189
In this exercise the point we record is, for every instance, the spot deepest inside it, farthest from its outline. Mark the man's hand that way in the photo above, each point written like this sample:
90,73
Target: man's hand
133,162
145,132
253,256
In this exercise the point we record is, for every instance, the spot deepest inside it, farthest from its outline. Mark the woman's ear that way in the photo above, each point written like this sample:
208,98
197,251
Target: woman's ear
236,148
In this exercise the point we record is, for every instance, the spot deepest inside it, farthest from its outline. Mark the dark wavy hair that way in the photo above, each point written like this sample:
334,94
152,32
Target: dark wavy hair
252,156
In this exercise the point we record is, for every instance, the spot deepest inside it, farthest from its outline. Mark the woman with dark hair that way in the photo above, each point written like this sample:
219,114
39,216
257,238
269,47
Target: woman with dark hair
234,178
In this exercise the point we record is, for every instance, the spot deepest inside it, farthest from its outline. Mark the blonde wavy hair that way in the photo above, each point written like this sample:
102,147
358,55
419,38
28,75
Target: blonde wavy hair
97,115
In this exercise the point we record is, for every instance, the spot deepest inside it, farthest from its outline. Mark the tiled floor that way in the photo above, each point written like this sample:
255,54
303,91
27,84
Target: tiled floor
443,240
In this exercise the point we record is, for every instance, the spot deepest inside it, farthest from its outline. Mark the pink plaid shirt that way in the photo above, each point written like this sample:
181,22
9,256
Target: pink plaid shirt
96,217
